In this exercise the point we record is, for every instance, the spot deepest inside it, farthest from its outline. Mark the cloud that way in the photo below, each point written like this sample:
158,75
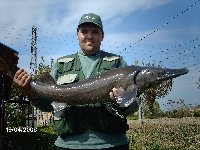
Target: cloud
64,14
111,11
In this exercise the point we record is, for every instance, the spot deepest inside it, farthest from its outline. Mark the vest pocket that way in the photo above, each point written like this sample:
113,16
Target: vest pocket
109,63
65,65
67,78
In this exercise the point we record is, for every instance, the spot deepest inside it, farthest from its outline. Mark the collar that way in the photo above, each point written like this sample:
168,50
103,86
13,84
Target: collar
94,55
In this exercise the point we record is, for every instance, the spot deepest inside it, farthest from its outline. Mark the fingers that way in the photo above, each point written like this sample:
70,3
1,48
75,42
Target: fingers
22,78
18,72
113,94
27,80
114,91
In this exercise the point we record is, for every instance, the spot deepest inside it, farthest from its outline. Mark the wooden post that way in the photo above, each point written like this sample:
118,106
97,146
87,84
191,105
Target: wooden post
3,121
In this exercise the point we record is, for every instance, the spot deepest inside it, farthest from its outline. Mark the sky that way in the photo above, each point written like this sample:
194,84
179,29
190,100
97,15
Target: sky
160,32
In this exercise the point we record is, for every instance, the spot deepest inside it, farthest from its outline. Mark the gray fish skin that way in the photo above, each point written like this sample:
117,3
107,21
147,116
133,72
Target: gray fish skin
96,89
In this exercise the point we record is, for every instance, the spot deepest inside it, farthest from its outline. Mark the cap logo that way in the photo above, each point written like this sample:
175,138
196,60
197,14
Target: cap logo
88,17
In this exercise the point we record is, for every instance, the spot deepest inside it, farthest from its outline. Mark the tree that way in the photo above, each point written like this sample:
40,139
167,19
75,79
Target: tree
43,67
157,91
157,111
17,110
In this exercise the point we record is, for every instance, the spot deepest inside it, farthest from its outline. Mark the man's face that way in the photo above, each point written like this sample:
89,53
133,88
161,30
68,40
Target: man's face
90,37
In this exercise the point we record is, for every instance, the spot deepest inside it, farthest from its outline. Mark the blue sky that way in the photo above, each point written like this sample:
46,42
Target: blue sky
169,30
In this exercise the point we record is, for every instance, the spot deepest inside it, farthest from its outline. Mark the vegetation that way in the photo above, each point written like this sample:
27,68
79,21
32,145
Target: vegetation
16,107
165,134
43,139
175,109
154,134
157,91
178,109
43,67
157,113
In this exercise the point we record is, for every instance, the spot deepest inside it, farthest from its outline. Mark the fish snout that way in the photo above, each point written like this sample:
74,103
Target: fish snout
153,75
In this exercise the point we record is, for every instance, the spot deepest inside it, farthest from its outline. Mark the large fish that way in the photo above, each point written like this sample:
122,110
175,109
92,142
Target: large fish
97,88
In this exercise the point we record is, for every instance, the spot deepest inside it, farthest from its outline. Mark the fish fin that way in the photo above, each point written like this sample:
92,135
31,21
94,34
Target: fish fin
125,98
45,78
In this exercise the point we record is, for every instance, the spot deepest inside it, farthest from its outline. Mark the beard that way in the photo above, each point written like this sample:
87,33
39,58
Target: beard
89,49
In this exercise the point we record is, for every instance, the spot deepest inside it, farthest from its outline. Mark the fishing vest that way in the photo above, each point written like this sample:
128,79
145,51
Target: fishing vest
78,118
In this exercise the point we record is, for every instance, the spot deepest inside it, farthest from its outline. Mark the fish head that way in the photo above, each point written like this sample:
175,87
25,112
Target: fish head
147,76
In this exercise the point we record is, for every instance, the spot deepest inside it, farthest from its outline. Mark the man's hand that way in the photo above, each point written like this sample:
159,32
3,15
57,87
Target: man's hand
124,98
113,94
22,79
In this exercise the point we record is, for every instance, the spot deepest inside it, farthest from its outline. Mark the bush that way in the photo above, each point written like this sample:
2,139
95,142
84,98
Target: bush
196,114
154,134
165,134
43,139
179,110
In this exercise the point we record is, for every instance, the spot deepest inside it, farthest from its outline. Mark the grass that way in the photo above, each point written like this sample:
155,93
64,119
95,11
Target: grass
154,134
43,139
165,134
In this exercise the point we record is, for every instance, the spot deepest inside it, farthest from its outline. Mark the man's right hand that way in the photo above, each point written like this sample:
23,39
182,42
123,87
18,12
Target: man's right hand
22,79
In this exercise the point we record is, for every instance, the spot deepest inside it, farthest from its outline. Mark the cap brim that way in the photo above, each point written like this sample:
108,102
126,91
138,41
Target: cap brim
91,23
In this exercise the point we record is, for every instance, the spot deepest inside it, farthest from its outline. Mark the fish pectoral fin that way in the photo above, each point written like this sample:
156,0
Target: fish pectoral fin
58,106
125,98
45,78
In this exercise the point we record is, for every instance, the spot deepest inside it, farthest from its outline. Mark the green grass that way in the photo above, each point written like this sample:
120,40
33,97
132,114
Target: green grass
43,139
165,134
154,134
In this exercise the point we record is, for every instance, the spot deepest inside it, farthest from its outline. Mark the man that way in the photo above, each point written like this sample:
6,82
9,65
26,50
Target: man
89,126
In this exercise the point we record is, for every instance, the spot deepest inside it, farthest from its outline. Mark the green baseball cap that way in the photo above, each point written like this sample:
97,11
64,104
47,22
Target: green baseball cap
91,18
